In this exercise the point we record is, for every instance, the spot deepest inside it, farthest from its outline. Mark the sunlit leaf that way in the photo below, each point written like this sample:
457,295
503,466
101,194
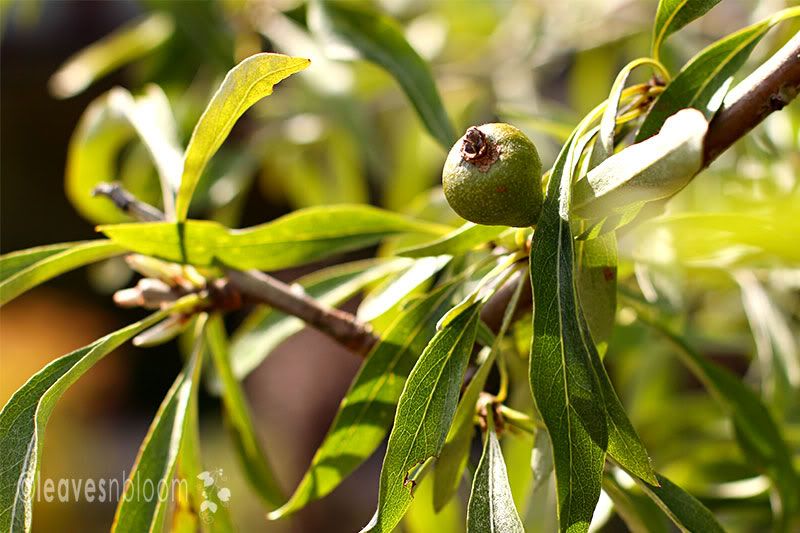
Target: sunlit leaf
648,171
452,460
673,15
191,471
300,237
424,414
254,461
247,83
704,81
397,288
491,507
459,241
24,418
123,45
367,409
158,456
23,270
379,39
721,240
265,328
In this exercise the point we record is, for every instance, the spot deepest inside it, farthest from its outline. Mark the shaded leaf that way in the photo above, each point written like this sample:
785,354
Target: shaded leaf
704,81
24,418
759,436
244,85
682,508
106,126
253,460
572,390
457,242
776,347
23,270
597,286
379,39
297,238
673,15
123,45
640,513
265,328
424,414
367,409
491,507
561,374
158,456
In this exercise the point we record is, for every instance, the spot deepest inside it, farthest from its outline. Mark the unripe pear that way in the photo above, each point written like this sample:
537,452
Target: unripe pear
492,176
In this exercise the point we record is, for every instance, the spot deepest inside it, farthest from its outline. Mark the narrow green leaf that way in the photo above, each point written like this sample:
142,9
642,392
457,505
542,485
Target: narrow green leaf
297,238
151,117
776,345
106,126
561,374
640,513
13,262
244,85
759,436
123,45
379,302
704,81
21,271
24,418
570,385
191,510
491,507
721,239
673,15
682,508
265,328
452,461
252,457
379,39
604,145
424,414
158,456
457,242
367,409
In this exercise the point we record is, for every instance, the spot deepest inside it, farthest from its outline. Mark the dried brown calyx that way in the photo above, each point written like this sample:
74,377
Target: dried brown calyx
479,150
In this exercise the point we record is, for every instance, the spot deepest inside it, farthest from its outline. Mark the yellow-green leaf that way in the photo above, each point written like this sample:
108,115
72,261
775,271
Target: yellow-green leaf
245,84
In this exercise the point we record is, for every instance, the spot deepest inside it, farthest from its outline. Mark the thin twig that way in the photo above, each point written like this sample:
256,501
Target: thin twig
343,327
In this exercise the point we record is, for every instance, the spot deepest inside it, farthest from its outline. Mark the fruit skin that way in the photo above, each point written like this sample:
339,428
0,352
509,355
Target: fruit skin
492,176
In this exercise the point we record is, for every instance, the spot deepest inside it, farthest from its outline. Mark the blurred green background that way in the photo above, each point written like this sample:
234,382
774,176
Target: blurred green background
343,131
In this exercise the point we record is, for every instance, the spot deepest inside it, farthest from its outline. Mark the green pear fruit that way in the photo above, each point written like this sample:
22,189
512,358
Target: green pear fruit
492,176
